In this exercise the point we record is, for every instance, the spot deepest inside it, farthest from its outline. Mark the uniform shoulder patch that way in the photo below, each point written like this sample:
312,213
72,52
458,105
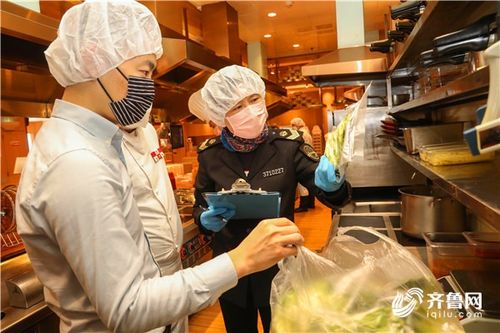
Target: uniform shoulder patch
309,152
288,134
208,143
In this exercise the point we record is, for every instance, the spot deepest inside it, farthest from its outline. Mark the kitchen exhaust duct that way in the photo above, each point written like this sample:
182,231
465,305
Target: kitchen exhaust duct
350,63
183,69
347,66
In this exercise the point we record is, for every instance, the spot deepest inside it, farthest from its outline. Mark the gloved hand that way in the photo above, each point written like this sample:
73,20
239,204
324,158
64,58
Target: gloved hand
214,219
325,177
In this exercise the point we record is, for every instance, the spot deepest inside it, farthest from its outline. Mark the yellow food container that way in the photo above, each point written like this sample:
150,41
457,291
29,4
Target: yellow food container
450,154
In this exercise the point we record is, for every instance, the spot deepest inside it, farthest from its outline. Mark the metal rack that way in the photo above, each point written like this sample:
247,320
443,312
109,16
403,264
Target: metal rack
439,18
476,185
471,86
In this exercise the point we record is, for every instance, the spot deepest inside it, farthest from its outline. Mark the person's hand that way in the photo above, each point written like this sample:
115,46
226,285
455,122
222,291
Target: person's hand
325,177
268,243
214,219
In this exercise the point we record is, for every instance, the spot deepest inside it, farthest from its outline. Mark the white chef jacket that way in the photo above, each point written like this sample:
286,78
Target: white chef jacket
81,228
154,196
156,201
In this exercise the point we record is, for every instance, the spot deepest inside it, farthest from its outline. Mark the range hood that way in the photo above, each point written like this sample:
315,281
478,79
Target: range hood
346,66
28,94
184,68
28,89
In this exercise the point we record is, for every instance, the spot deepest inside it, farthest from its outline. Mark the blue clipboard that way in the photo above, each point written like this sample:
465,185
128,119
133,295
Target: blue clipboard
247,205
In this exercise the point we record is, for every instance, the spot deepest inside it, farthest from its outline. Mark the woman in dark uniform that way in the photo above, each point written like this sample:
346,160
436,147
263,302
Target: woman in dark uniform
273,160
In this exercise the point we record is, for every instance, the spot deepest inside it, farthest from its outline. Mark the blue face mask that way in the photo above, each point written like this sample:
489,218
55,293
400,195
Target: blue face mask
131,111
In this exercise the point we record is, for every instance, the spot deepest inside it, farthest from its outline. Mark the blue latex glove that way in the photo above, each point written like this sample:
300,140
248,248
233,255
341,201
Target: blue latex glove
325,177
214,219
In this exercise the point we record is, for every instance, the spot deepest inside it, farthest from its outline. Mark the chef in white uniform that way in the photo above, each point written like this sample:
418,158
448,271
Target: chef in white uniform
75,208
156,201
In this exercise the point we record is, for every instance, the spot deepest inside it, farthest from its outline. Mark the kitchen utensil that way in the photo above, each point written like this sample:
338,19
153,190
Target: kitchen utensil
482,27
485,244
25,290
429,58
396,35
383,46
447,251
405,26
408,10
415,137
428,209
374,101
389,124
399,99
473,44
476,37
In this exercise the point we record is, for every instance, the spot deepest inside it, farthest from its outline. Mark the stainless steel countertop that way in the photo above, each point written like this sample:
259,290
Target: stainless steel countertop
475,185
18,320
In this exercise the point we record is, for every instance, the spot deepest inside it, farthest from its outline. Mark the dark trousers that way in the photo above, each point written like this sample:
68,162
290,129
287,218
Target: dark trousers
244,319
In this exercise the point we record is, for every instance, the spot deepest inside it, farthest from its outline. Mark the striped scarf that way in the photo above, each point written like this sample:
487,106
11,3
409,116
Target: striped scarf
236,144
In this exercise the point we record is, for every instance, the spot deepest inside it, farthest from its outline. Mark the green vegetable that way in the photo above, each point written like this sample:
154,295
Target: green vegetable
318,306
335,141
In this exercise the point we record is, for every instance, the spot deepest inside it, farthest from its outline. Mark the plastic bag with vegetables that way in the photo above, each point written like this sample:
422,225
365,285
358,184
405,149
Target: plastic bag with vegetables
357,287
347,139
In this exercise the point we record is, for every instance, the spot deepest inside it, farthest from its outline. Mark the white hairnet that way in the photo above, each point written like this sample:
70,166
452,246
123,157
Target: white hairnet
97,36
223,90
197,107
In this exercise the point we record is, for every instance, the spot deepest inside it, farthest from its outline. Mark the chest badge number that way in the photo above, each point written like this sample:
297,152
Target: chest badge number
157,155
274,172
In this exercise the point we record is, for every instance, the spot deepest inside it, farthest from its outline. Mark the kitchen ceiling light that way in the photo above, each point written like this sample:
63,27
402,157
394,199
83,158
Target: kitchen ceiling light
296,45
271,14
268,36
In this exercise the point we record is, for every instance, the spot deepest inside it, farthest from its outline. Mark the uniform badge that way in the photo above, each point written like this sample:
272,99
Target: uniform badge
157,155
309,152
207,144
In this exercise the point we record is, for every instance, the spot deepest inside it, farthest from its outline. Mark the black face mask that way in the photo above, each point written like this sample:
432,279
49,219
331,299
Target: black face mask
132,109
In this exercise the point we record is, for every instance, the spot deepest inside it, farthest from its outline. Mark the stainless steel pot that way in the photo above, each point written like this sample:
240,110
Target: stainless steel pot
428,209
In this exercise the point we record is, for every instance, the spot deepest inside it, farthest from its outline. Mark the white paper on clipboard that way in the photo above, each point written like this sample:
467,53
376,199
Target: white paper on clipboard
247,205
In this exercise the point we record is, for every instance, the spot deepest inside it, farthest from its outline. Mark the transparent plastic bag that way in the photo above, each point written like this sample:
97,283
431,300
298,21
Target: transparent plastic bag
347,140
357,287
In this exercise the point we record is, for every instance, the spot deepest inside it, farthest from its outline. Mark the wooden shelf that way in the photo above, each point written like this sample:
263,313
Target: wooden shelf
439,18
476,185
467,87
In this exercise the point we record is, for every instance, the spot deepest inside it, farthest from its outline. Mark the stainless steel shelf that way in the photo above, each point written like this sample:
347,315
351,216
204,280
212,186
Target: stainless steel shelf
439,18
467,87
477,185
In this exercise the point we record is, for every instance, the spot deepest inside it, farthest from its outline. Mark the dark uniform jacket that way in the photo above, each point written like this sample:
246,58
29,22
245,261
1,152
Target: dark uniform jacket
278,164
